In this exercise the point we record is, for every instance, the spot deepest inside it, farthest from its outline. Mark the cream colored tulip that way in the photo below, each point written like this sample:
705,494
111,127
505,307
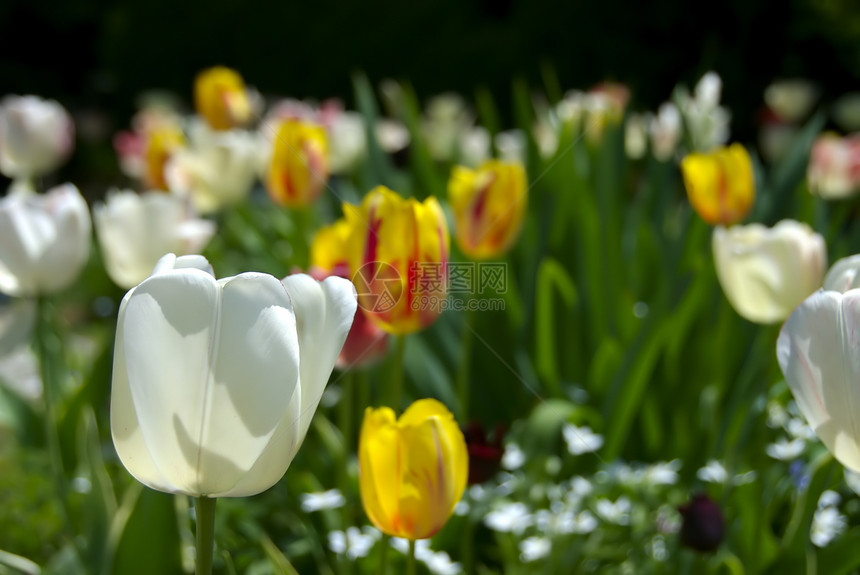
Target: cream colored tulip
766,272
44,240
136,230
36,136
818,354
215,382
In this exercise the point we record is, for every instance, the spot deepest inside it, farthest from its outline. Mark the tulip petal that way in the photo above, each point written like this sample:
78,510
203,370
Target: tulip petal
168,329
817,350
125,427
256,384
380,469
324,313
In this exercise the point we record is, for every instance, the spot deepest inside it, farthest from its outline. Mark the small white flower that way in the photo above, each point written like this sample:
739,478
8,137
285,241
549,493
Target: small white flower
617,512
513,457
785,450
462,508
534,548
828,498
827,524
663,473
777,416
713,472
331,499
581,439
852,479
509,518
355,542
799,429
440,563
583,522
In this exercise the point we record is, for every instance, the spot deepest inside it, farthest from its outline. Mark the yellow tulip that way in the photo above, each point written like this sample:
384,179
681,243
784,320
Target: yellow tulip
413,470
329,246
489,204
221,98
720,184
398,255
161,142
299,167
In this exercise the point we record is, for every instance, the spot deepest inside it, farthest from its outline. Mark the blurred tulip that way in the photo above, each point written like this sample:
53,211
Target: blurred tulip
817,352
392,136
766,272
844,275
665,131
131,146
36,136
215,382
135,231
398,257
720,184
511,145
366,342
702,525
413,470
791,100
217,170
635,136
347,140
834,166
489,205
44,240
485,456
221,98
447,118
846,112
707,122
299,167
475,146
159,145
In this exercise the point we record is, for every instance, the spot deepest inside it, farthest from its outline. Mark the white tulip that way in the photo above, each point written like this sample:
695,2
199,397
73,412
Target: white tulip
217,169
791,100
665,130
820,358
834,166
636,136
766,272
36,136
215,382
844,275
44,240
136,230
347,142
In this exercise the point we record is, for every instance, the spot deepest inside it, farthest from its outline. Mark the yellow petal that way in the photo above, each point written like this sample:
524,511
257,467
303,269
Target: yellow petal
298,170
221,98
720,184
329,246
379,461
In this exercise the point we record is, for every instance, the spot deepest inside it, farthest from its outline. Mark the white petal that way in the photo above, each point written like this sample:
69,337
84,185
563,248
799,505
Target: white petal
252,415
171,262
324,313
168,331
819,352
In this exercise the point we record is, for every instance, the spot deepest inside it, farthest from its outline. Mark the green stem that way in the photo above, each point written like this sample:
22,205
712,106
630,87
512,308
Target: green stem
383,555
48,351
344,416
397,376
411,565
465,364
204,508
467,552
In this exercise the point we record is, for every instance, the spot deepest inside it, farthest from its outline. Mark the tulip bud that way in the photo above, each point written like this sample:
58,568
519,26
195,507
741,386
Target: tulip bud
703,527
398,256
791,100
413,470
135,231
366,342
635,137
215,382
221,98
834,166
817,352
44,240
766,272
844,275
720,184
298,170
665,131
36,136
489,206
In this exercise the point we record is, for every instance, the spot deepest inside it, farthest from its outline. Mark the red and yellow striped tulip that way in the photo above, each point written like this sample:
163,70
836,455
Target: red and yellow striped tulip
720,184
398,256
221,98
489,205
299,167
413,470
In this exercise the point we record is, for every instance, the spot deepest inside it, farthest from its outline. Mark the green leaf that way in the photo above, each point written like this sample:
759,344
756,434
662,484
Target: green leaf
552,278
18,563
145,535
